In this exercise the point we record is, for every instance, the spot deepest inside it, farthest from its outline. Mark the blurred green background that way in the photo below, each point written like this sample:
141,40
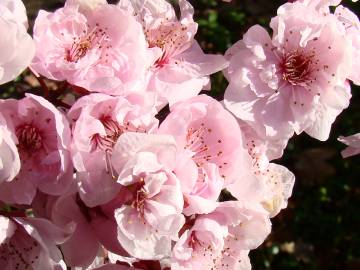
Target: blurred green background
320,229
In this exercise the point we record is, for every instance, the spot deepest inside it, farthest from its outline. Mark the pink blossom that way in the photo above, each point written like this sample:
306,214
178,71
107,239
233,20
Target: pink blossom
181,69
295,81
353,143
42,137
29,243
273,183
151,218
207,132
221,239
9,156
272,189
103,49
98,121
17,47
209,135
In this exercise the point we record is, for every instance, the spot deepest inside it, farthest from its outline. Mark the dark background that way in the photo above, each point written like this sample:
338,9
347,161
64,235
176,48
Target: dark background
320,229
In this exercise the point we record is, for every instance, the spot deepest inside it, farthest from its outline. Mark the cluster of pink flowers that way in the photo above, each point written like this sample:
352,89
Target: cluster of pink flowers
128,172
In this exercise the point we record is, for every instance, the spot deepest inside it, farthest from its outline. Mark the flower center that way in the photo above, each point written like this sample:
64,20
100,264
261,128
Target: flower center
139,196
170,38
106,142
95,39
201,151
297,67
139,202
29,137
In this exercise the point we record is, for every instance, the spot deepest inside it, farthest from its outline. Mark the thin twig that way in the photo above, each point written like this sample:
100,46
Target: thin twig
42,84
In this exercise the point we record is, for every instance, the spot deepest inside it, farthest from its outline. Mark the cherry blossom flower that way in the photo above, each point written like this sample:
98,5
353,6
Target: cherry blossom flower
221,239
42,137
181,70
211,137
98,121
151,218
295,81
9,156
353,143
30,243
103,49
17,47
273,184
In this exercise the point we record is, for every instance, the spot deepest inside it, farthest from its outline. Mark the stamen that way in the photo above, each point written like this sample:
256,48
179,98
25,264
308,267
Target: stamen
201,151
297,67
171,38
29,137
109,167
95,39
107,142
139,195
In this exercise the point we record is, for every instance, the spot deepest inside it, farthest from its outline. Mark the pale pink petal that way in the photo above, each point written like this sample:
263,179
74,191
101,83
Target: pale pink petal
353,143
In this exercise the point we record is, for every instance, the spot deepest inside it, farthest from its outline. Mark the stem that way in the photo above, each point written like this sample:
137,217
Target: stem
44,87
79,90
62,104
42,84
